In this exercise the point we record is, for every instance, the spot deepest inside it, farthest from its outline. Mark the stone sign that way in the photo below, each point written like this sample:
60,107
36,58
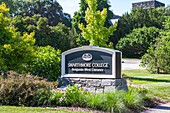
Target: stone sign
91,62
92,68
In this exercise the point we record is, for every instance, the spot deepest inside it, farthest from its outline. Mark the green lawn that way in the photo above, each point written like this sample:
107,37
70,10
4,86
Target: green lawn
14,109
159,84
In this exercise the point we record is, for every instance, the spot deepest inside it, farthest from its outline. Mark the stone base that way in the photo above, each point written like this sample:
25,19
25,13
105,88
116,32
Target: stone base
95,85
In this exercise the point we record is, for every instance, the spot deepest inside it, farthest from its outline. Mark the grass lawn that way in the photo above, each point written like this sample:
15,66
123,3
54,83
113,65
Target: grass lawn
14,109
159,84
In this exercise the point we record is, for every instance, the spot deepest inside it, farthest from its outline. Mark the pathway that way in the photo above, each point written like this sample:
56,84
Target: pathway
164,108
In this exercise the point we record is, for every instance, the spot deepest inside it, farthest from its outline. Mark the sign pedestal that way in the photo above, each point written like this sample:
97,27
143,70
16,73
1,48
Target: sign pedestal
95,85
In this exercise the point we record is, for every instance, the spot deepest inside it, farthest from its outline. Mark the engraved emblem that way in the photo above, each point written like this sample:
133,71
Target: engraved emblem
87,57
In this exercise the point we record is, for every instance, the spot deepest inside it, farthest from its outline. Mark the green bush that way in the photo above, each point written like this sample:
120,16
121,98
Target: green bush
132,100
49,97
22,89
115,102
74,96
94,101
47,64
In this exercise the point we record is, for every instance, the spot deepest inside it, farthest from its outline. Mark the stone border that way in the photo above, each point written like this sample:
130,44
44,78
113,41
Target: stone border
95,85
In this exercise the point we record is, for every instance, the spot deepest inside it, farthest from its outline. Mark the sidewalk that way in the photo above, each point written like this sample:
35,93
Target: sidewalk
164,108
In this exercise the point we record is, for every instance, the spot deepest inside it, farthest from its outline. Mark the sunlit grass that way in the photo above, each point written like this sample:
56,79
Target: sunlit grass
14,109
159,84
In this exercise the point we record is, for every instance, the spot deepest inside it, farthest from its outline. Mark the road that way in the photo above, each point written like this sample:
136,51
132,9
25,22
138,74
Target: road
131,64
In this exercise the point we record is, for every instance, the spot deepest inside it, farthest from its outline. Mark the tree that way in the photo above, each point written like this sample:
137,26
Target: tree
157,58
139,18
95,32
50,9
16,51
138,41
67,20
60,36
79,17
11,4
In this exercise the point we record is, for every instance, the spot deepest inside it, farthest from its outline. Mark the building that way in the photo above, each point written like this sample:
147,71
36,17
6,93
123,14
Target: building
144,4
148,4
114,19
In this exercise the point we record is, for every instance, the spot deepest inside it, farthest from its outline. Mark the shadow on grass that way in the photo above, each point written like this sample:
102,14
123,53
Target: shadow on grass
149,79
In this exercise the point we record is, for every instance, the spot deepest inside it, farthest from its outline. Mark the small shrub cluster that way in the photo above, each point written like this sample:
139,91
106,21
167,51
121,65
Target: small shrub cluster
118,101
19,89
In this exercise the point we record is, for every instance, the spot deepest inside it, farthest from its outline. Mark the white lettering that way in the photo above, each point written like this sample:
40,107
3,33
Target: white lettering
79,64
98,70
106,65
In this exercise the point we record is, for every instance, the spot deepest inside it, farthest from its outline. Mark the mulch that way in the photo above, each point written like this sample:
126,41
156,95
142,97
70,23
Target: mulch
78,109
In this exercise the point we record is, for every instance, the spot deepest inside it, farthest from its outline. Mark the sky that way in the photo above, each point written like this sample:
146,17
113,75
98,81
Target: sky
118,7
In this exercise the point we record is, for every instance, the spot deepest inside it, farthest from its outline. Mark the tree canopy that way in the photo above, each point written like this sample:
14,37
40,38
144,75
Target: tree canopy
139,18
60,36
138,41
50,9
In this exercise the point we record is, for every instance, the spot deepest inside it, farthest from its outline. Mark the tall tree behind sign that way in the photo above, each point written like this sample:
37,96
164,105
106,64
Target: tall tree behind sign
95,32
79,17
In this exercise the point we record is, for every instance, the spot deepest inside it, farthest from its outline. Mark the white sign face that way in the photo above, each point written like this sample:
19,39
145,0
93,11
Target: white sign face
92,62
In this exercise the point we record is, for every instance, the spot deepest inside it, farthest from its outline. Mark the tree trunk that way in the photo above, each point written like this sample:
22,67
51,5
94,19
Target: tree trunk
158,70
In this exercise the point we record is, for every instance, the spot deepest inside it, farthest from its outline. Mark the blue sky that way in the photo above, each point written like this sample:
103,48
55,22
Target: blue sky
118,7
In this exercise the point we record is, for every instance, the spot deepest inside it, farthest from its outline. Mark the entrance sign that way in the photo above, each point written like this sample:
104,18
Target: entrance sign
91,62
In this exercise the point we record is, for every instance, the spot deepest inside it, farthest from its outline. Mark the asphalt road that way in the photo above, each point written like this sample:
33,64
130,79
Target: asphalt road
131,64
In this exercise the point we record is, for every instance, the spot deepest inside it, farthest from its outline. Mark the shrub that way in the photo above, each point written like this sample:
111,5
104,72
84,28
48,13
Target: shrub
22,89
94,101
114,102
47,64
144,94
74,96
132,100
49,97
